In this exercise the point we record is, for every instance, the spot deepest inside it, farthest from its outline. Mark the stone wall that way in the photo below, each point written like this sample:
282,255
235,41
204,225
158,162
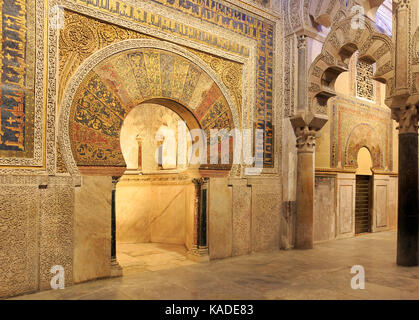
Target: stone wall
36,232
244,216
50,214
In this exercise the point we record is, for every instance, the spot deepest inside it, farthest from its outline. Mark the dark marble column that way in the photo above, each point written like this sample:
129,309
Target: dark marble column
200,250
202,225
116,269
113,227
306,139
408,240
408,218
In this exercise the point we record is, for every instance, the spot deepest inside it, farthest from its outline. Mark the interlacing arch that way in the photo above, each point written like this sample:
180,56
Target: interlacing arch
340,44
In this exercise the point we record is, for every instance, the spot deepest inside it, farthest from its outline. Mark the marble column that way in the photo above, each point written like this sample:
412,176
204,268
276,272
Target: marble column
306,139
140,161
160,144
408,217
199,251
116,270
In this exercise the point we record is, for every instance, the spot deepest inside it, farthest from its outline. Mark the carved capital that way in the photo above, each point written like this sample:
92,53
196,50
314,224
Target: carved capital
407,117
302,42
306,139
400,4
115,180
200,181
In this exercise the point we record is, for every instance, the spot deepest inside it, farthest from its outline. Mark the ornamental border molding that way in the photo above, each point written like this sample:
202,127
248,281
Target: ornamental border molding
37,159
101,55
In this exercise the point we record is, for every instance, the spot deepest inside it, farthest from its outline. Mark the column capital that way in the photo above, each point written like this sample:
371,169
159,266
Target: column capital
407,117
115,180
302,41
306,139
200,181
401,4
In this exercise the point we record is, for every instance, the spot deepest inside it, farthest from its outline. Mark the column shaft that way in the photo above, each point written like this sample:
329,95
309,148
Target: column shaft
113,227
305,200
408,222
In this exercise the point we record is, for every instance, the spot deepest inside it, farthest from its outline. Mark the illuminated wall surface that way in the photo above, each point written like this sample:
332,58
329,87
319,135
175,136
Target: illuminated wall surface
81,80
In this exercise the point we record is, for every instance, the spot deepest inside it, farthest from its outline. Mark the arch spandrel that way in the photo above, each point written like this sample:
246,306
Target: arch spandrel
125,75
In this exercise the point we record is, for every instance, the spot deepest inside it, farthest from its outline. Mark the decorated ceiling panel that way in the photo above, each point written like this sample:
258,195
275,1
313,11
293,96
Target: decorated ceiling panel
126,80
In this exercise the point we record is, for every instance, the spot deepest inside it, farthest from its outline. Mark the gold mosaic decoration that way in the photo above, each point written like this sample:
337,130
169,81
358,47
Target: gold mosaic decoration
119,83
82,36
230,73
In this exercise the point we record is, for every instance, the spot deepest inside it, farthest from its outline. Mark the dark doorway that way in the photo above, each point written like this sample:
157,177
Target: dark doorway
362,205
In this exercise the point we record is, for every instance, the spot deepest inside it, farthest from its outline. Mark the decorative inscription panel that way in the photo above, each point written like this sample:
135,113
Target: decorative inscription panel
17,61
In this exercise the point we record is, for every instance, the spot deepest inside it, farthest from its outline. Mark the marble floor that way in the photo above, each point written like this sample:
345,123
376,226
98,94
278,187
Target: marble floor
139,257
321,273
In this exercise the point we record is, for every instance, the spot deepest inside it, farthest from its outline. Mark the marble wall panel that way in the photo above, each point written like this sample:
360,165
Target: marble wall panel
92,228
392,202
152,212
133,213
168,217
346,204
380,202
220,218
190,218
324,208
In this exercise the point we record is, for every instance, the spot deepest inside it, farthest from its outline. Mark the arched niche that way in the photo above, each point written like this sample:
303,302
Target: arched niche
364,162
363,136
155,138
123,75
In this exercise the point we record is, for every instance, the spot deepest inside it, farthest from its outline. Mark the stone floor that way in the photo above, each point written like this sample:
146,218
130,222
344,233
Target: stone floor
140,257
321,273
